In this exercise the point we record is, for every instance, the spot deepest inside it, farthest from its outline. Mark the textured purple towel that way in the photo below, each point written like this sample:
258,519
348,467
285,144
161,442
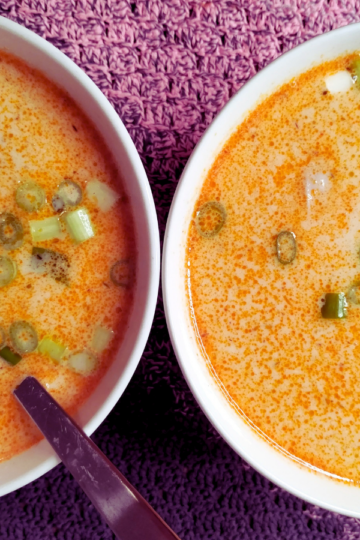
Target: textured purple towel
168,66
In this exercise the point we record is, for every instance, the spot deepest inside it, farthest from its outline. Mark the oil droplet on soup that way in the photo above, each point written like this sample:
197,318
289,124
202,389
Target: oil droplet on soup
62,316
278,315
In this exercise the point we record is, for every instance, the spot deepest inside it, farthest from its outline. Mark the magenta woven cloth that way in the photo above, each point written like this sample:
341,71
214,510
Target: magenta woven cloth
168,66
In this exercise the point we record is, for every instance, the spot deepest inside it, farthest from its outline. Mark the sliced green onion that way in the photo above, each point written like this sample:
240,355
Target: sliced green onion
30,196
101,339
286,247
79,225
11,231
355,68
69,192
82,362
122,273
8,270
335,306
210,219
2,337
103,195
51,262
11,357
23,337
51,348
45,229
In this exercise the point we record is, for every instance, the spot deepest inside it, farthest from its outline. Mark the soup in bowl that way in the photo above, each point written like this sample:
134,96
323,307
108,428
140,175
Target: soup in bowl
79,248
261,271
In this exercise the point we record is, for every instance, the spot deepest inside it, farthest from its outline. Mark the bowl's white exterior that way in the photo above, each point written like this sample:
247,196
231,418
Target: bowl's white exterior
39,54
309,485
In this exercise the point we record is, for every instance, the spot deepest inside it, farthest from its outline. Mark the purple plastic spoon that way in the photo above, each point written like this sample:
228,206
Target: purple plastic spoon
125,511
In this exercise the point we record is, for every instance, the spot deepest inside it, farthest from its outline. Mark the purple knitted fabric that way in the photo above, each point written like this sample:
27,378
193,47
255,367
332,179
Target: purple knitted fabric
168,66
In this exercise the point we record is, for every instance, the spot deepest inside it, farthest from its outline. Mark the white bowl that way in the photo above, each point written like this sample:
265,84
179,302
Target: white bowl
310,485
39,54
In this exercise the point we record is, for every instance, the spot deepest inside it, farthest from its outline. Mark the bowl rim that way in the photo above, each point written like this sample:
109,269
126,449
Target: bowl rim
176,231
49,458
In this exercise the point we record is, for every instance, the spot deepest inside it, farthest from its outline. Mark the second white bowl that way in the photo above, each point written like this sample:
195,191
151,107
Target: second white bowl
301,481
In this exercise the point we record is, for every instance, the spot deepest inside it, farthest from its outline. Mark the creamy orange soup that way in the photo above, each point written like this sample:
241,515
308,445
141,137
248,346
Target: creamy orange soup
293,165
79,314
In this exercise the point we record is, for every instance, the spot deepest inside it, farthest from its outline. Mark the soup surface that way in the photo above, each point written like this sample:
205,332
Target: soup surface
293,165
73,304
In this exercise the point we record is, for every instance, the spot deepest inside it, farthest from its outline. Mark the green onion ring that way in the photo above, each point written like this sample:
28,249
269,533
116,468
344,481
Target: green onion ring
30,196
122,273
23,337
201,213
11,231
70,192
8,270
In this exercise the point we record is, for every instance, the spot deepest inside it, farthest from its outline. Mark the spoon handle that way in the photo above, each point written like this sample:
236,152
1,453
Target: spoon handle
125,511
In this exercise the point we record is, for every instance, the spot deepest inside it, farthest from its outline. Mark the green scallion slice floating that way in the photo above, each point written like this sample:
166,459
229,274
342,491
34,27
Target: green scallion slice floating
334,306
23,337
286,247
8,270
45,229
10,356
122,273
69,193
30,196
210,219
79,225
355,68
51,348
11,231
